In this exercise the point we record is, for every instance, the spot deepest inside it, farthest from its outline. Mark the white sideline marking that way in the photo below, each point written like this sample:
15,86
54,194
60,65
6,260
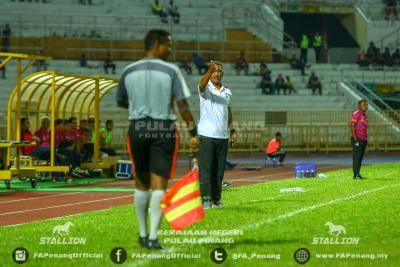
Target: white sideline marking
56,218
284,216
34,198
247,180
65,205
292,213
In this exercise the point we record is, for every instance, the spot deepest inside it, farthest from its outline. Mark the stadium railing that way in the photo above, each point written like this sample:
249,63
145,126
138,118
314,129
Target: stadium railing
307,131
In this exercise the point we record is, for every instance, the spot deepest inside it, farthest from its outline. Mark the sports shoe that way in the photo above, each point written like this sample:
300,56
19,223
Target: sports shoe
144,241
217,204
82,172
360,177
75,174
207,205
154,244
355,177
226,184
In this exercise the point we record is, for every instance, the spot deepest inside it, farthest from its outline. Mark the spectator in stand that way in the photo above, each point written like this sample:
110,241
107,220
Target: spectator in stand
158,9
289,85
314,84
317,44
83,2
371,52
106,138
280,84
241,64
3,70
83,61
304,43
200,64
362,60
264,69
297,65
387,57
108,63
41,64
266,84
274,150
378,58
5,38
396,58
186,66
173,11
391,9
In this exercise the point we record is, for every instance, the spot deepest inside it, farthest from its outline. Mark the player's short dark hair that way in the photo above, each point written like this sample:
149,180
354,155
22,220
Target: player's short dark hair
109,121
58,122
361,101
90,120
155,36
72,118
23,120
83,121
278,134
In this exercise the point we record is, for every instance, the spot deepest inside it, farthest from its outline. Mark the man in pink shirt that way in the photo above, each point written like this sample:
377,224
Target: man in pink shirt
43,133
359,136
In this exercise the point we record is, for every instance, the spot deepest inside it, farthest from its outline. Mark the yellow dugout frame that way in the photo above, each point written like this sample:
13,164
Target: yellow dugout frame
56,95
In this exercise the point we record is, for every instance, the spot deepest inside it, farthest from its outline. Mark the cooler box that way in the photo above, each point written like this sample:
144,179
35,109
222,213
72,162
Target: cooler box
124,169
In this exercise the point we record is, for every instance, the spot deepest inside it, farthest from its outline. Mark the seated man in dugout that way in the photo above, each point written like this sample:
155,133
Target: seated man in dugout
65,147
42,149
84,139
105,136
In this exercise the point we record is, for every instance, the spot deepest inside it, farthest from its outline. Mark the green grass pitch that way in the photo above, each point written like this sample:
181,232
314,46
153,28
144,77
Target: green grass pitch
268,222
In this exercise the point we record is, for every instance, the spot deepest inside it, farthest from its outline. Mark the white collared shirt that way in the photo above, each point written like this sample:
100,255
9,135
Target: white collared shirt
214,111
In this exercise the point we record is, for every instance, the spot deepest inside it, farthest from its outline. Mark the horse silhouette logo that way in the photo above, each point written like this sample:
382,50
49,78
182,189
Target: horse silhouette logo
62,229
335,229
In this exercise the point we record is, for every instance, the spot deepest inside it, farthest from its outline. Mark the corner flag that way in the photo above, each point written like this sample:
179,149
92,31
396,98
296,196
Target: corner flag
181,205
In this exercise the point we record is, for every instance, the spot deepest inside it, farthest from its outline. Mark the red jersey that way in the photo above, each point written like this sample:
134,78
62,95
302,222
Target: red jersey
44,137
27,136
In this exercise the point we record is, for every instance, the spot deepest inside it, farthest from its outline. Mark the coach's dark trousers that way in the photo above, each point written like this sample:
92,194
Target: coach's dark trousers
358,154
212,156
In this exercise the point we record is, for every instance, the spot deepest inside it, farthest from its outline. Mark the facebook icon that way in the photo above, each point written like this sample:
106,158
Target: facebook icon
118,255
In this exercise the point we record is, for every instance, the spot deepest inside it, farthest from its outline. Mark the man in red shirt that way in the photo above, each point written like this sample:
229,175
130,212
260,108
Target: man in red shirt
274,149
26,135
359,136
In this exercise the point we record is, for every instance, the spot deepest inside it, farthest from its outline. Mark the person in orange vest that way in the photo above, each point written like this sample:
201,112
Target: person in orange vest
274,149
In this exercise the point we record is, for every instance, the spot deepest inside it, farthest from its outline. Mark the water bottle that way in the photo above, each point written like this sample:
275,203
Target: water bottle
295,189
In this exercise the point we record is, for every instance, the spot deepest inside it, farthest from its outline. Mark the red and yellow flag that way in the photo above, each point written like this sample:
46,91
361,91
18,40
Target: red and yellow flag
181,205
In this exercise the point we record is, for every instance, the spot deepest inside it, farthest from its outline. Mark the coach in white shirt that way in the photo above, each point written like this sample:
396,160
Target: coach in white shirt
214,129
